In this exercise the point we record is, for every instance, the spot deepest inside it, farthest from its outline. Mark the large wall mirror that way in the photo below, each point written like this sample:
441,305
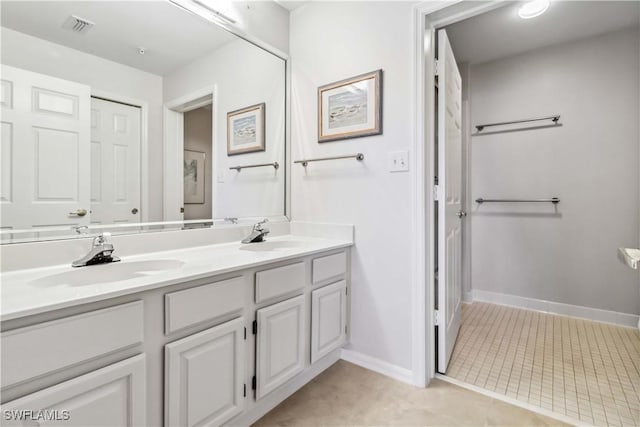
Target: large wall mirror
121,113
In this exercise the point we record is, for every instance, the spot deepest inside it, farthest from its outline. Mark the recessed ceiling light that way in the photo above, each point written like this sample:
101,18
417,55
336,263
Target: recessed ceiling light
533,8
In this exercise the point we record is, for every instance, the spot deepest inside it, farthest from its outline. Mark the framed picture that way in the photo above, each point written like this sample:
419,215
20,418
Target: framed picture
350,108
245,130
194,164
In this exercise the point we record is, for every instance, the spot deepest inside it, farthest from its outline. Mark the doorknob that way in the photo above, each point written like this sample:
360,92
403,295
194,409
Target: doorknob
134,211
460,214
79,212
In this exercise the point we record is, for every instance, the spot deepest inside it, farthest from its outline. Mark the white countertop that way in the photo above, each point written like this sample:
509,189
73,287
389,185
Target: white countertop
38,290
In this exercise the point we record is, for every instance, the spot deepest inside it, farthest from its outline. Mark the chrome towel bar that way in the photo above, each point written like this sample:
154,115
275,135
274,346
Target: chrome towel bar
305,162
554,119
274,165
553,200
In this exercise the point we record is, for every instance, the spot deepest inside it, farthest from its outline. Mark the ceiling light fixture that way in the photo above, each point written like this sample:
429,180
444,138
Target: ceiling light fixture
533,8
204,10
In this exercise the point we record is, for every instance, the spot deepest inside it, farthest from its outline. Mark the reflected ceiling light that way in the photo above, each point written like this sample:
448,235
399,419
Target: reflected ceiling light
204,9
533,8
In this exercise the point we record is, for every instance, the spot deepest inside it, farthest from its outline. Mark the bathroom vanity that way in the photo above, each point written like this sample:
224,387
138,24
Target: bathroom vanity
210,335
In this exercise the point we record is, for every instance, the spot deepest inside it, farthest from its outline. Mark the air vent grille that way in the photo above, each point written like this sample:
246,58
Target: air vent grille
77,24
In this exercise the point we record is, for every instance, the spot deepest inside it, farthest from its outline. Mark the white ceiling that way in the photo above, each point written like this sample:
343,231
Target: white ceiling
171,36
502,33
291,5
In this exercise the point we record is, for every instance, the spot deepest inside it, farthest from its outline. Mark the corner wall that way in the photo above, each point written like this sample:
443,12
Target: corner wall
332,41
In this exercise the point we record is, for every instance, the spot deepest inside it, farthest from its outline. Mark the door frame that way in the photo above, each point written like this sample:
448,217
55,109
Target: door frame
144,143
428,17
173,147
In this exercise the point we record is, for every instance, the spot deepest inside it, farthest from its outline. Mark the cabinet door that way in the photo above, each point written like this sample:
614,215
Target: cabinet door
328,319
204,376
281,337
111,396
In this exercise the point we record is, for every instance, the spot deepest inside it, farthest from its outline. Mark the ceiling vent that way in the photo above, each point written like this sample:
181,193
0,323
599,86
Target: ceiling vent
77,25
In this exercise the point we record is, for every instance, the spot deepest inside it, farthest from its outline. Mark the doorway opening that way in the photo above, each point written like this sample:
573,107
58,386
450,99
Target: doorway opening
198,138
189,158
531,300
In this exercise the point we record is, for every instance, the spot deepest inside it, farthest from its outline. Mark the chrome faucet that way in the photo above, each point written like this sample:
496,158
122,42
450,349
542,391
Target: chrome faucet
101,252
257,234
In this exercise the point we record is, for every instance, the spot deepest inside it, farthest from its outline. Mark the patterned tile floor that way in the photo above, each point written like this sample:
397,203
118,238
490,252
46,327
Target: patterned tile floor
586,370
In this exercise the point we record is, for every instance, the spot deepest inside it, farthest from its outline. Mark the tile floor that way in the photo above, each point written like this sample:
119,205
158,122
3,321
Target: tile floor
348,395
586,370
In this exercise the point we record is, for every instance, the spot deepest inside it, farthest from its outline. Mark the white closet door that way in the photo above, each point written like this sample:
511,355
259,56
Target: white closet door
449,200
281,343
45,150
115,162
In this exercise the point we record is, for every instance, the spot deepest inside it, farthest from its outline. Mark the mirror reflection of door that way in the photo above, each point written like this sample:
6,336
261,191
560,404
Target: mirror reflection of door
45,155
115,162
197,161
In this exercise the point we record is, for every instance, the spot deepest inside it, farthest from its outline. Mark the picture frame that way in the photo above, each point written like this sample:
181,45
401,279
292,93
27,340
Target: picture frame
194,176
350,108
246,130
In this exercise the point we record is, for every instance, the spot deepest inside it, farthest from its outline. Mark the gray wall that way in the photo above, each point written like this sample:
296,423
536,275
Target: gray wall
198,137
591,162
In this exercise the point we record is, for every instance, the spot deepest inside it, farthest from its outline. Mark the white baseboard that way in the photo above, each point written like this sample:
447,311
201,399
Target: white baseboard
467,296
588,313
377,365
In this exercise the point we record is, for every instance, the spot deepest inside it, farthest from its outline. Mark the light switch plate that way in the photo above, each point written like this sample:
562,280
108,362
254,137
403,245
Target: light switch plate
399,161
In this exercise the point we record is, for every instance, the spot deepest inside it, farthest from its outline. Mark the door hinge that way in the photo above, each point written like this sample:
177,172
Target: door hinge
436,68
345,329
245,334
253,383
244,392
254,328
436,192
436,317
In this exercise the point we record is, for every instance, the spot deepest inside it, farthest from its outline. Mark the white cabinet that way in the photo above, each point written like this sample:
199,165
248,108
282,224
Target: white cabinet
111,396
328,319
280,344
204,376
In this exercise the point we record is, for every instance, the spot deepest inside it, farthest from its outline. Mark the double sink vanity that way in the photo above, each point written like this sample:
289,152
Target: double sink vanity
207,335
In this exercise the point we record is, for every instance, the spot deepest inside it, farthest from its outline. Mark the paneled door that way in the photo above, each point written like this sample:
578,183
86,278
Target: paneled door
115,162
111,396
281,343
328,319
45,150
450,212
204,376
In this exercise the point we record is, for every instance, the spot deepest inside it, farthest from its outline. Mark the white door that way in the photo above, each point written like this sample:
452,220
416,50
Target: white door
328,319
115,162
281,338
45,150
204,376
111,396
449,200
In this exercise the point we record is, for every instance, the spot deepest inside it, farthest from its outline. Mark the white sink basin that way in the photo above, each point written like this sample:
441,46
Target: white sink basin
104,273
631,257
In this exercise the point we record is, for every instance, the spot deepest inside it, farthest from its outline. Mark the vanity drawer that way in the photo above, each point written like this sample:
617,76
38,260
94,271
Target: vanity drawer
279,281
36,350
329,267
200,304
